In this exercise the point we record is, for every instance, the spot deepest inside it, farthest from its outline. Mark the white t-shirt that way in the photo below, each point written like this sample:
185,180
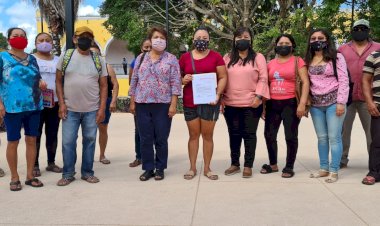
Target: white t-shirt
47,71
81,82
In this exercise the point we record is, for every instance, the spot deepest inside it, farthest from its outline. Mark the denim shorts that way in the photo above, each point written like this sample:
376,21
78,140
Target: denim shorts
203,111
14,121
107,111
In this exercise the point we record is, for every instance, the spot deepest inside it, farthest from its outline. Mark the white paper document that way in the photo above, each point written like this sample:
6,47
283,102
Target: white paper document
204,88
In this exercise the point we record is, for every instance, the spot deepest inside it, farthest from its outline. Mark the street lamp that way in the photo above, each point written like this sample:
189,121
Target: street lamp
69,23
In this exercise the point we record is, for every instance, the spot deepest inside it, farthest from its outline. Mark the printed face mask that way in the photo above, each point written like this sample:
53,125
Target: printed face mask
44,47
242,44
159,44
318,45
283,50
201,45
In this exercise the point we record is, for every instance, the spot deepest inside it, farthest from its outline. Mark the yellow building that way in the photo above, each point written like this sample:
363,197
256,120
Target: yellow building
113,49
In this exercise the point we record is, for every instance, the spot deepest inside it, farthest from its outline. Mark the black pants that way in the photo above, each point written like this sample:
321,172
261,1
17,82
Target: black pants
242,124
49,117
278,111
374,152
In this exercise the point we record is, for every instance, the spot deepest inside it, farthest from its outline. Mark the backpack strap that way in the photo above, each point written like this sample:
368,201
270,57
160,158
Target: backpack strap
141,60
66,60
97,62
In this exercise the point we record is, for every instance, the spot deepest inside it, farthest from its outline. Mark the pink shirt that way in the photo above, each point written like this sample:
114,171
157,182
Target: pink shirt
355,64
282,78
245,82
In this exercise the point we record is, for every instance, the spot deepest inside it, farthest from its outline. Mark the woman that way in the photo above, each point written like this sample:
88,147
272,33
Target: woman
283,107
329,93
19,71
247,85
201,119
145,47
49,115
112,93
155,87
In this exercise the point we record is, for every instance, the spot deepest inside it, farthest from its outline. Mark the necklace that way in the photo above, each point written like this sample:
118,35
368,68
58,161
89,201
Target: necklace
23,61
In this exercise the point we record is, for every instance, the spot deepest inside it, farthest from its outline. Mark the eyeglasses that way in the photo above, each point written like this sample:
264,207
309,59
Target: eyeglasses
360,29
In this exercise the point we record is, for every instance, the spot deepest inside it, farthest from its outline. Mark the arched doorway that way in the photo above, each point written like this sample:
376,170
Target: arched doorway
115,50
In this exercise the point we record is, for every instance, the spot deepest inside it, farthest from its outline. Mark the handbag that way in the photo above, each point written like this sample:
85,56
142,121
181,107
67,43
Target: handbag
299,88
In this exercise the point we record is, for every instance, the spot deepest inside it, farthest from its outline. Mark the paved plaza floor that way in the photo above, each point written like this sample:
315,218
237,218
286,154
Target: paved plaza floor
121,199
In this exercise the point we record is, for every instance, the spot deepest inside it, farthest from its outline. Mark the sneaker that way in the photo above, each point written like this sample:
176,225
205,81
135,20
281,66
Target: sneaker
232,170
90,179
135,163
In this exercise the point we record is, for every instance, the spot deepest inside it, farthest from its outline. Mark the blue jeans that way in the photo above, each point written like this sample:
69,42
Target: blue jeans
70,127
328,127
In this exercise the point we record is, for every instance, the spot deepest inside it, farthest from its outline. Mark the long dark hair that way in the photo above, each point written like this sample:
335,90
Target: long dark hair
291,39
328,54
234,55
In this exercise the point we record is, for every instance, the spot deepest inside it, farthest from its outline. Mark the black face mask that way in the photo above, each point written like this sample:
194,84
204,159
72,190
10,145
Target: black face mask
318,46
201,45
84,43
283,50
359,35
243,44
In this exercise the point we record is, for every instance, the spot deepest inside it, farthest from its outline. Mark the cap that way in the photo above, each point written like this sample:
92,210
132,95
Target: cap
362,22
84,29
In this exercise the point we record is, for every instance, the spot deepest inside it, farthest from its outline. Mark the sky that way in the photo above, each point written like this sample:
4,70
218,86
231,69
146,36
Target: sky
21,13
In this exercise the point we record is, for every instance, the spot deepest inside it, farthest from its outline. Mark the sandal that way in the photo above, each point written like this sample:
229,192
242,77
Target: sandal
90,179
287,173
210,175
2,173
266,169
159,175
135,163
34,182
65,181
247,172
15,185
36,171
320,173
105,161
333,177
54,168
147,175
369,180
190,174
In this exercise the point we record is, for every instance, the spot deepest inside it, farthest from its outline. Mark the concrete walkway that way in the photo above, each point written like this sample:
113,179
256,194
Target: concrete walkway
121,199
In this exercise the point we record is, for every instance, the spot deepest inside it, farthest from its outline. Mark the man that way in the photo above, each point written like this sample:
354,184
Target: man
82,93
125,66
355,53
371,91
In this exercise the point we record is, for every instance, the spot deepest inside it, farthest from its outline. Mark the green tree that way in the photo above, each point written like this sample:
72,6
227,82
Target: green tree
3,42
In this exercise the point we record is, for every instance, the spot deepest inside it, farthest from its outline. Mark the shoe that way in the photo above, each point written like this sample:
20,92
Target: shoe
159,175
247,172
105,161
266,169
135,163
147,175
90,179
369,180
320,173
232,170
333,177
65,181
343,165
15,186
210,175
54,168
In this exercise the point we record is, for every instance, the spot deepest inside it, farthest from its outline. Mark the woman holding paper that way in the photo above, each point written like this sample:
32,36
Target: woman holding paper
201,118
47,63
155,87
242,100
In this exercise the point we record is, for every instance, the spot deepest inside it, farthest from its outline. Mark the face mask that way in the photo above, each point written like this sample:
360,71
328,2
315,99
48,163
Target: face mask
242,44
283,50
18,42
201,45
84,43
318,45
44,47
158,44
360,35
145,51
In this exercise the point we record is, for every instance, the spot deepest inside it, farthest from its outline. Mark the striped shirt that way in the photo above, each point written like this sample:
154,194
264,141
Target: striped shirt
372,66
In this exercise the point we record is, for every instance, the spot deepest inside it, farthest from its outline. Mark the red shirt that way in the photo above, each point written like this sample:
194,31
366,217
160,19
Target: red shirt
205,65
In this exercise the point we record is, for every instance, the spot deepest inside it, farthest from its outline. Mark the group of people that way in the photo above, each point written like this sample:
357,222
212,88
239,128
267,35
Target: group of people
248,88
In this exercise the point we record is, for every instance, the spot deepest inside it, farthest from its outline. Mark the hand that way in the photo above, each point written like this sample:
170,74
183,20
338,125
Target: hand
62,112
301,110
372,109
172,110
132,108
2,110
100,115
187,78
216,100
113,106
256,102
340,108
42,85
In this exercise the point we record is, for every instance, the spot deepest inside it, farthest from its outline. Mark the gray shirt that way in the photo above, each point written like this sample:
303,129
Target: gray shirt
81,83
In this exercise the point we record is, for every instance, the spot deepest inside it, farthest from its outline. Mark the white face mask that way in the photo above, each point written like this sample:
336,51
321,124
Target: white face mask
158,44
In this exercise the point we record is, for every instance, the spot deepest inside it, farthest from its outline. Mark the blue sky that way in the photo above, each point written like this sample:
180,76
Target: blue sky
21,13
